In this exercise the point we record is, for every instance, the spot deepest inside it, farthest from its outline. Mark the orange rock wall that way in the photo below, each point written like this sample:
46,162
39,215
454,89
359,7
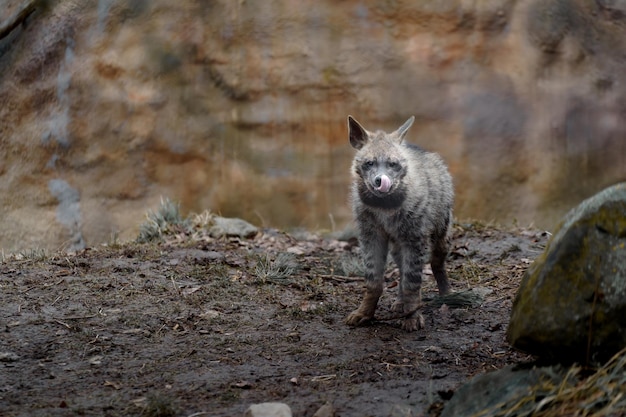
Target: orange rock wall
240,107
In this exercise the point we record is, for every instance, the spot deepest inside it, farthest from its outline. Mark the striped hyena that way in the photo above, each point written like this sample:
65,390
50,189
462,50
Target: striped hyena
402,200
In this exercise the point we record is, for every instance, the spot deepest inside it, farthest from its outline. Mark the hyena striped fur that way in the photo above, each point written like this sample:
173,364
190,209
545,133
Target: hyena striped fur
402,200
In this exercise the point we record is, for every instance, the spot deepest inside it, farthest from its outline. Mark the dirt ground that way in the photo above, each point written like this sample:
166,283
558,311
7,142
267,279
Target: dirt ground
200,326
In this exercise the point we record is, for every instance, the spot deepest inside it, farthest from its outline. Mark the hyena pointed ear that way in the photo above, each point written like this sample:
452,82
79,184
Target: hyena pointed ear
401,132
358,135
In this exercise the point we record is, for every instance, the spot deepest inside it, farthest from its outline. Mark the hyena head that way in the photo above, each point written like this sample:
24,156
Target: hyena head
380,164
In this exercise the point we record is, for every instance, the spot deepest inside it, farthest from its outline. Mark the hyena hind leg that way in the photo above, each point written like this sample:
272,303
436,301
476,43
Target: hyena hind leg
441,247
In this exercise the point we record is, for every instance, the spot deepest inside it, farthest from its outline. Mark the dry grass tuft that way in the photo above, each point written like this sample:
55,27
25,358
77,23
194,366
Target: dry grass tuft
277,270
165,219
351,265
602,394
471,273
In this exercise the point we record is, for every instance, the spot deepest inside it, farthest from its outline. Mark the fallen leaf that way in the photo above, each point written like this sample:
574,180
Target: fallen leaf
95,360
242,385
310,306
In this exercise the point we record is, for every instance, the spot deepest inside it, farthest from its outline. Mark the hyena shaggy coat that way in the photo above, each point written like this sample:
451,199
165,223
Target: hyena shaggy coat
402,201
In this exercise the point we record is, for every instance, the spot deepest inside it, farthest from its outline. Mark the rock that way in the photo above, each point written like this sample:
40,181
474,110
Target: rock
327,410
268,410
573,297
224,226
495,389
210,314
401,410
8,357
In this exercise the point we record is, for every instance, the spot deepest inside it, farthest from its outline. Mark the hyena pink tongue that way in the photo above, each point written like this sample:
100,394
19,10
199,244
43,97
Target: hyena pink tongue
385,184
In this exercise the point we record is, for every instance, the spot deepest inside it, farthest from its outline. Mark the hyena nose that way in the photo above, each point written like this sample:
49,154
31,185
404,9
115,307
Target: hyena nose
382,183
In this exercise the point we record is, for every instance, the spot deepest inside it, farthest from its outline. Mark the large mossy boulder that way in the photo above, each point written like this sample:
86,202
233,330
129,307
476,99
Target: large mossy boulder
571,304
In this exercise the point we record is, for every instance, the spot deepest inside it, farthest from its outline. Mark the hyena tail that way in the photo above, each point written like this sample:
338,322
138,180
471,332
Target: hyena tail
441,248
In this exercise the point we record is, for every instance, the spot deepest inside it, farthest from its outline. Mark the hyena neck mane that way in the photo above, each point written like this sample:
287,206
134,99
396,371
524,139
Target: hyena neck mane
388,202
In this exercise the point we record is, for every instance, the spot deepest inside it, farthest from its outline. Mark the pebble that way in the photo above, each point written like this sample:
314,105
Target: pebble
268,410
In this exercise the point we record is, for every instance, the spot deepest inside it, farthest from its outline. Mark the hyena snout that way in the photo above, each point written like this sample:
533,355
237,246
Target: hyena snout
382,183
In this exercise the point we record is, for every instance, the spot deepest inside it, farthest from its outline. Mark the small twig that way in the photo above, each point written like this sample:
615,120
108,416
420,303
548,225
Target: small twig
395,365
496,300
176,287
340,278
78,317
323,377
63,324
54,284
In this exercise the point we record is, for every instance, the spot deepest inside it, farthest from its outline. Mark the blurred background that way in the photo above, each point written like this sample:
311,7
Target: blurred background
240,107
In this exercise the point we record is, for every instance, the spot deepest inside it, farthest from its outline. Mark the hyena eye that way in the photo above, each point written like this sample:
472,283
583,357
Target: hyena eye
368,164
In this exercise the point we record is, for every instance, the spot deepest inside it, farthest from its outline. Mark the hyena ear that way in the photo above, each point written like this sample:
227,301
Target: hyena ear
358,135
401,132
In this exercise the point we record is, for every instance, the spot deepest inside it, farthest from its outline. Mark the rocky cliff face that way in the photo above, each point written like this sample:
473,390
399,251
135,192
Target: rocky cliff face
240,107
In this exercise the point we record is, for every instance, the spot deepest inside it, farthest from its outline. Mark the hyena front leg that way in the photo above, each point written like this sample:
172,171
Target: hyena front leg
410,288
374,248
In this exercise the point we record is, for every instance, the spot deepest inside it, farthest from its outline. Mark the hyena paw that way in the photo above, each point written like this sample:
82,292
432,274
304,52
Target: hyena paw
412,319
357,318
403,308
413,323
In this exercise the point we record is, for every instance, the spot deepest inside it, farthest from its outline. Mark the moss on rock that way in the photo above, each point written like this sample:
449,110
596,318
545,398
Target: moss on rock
570,305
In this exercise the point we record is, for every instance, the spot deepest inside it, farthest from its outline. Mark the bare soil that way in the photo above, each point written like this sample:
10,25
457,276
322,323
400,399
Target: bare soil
201,326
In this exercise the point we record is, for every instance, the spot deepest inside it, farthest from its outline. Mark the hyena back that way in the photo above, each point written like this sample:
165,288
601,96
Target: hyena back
402,201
